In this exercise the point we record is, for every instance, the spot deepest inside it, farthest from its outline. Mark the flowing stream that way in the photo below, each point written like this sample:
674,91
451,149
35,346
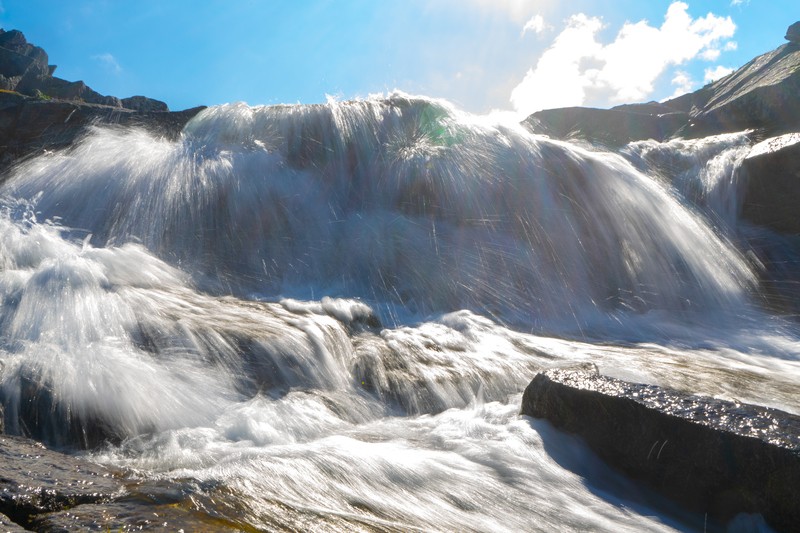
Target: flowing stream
325,315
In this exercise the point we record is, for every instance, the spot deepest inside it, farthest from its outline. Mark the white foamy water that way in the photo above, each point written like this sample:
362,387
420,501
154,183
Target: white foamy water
330,312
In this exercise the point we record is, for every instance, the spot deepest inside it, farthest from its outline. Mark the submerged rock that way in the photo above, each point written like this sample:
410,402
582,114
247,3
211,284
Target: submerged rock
713,456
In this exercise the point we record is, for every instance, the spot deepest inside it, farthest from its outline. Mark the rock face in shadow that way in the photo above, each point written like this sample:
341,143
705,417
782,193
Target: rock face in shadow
41,112
772,174
28,126
712,456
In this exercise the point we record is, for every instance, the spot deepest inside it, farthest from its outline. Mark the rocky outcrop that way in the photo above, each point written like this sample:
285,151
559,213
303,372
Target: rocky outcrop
29,126
762,95
40,112
793,33
24,69
712,456
144,104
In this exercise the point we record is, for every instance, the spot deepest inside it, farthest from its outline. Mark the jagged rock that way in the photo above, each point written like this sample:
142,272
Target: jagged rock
144,104
712,456
20,62
36,480
24,68
772,193
793,33
67,90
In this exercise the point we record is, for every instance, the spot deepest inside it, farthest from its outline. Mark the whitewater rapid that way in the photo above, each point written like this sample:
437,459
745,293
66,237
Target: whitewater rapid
328,313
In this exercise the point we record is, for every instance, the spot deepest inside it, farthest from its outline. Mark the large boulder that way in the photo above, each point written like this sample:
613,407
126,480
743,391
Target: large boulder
772,192
712,456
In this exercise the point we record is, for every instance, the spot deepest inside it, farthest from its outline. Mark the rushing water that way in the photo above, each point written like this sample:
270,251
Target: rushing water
328,313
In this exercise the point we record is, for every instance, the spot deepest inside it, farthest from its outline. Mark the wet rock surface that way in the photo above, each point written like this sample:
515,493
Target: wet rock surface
46,490
712,456
35,480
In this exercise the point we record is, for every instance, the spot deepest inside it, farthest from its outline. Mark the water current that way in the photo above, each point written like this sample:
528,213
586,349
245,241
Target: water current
325,315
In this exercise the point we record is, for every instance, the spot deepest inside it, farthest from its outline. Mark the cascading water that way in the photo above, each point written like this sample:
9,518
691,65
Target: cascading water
331,311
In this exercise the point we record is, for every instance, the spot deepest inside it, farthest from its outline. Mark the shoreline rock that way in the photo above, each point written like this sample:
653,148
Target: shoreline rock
712,456
46,490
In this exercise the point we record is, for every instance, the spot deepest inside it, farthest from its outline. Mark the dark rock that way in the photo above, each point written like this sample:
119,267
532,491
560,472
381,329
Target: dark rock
793,33
24,68
12,39
772,191
712,456
29,126
8,526
144,104
36,480
609,127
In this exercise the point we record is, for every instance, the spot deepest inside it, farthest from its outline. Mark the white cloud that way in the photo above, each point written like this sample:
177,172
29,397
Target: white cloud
518,10
535,24
577,68
109,62
713,74
683,84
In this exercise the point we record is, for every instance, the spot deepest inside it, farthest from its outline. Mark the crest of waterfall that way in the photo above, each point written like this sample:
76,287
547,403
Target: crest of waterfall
398,199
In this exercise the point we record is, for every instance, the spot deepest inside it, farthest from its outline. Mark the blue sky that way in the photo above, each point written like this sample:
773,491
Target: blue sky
519,55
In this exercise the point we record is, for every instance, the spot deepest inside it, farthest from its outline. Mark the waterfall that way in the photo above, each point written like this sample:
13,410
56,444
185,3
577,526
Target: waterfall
331,310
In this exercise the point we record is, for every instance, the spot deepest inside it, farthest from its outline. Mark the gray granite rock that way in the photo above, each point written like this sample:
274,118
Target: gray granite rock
712,456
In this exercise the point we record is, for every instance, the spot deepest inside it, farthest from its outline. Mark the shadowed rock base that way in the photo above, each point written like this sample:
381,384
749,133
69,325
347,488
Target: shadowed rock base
712,456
